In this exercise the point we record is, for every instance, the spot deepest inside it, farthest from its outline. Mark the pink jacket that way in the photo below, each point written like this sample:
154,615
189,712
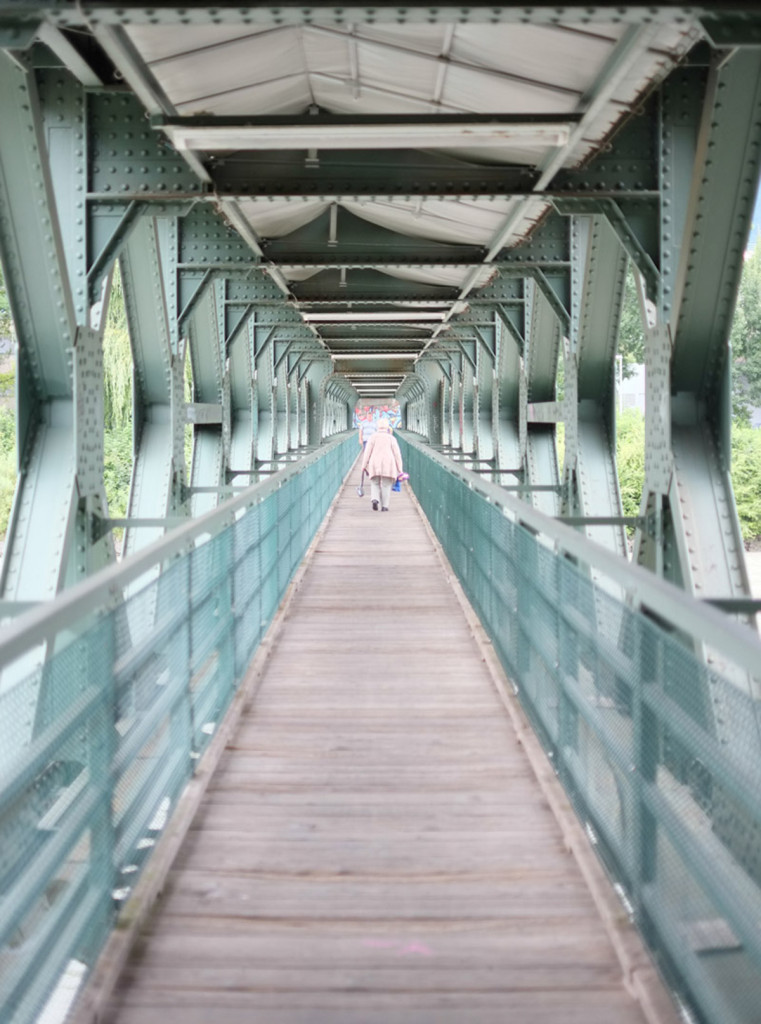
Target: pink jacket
382,456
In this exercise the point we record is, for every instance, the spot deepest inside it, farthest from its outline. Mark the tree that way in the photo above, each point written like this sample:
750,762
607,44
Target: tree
745,339
631,336
630,459
746,477
6,320
117,361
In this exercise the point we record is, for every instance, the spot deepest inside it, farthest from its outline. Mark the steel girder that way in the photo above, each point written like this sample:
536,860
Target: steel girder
60,374
335,404
589,474
211,389
490,389
543,339
710,142
688,170
158,472
85,180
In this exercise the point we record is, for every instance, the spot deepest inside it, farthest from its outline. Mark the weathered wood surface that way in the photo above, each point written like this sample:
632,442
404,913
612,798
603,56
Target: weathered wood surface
374,847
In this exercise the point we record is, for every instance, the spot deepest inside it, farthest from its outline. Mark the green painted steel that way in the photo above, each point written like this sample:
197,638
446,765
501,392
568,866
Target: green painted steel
147,657
618,673
148,260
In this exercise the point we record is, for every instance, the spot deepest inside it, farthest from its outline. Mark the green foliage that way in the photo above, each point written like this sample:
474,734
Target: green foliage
745,338
630,457
189,433
6,321
746,478
631,336
117,394
117,467
117,361
8,383
7,466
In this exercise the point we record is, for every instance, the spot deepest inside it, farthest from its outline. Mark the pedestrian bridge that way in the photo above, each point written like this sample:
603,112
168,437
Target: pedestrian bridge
494,755
359,824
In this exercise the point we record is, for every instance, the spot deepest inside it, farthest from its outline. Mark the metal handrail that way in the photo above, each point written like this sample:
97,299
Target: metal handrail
105,587
643,588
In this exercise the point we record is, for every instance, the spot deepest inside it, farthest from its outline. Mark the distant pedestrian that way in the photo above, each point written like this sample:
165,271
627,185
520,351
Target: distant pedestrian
382,460
366,430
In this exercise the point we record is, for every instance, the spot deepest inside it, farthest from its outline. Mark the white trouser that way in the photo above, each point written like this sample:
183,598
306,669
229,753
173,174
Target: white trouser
380,489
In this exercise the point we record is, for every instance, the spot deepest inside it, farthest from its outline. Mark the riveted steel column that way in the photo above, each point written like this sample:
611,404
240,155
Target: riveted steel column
448,407
468,382
424,395
243,400
49,522
458,401
543,335
266,398
719,154
211,396
158,473
294,424
280,403
590,476
486,361
509,404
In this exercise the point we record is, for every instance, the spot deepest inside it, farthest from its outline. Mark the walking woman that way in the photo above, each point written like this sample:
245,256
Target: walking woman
382,460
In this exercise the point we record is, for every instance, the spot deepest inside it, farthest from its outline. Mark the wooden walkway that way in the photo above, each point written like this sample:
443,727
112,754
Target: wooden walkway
374,847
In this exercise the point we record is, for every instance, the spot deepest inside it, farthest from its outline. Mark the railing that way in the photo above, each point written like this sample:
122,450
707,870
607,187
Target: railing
647,703
109,695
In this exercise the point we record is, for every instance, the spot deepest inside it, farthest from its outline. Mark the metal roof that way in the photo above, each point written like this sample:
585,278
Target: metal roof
267,105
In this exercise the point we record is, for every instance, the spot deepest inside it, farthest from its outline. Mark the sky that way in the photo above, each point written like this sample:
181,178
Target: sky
755,228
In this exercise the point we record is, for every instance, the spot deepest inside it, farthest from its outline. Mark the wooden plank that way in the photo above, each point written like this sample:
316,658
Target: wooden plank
175,1006
334,896
526,977
453,943
374,846
522,855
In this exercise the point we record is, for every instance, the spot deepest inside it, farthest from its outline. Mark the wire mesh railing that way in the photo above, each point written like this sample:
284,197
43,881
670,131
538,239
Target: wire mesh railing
648,704
108,698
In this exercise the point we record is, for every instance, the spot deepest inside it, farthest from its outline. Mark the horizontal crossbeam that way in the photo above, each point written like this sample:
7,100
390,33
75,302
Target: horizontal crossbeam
337,131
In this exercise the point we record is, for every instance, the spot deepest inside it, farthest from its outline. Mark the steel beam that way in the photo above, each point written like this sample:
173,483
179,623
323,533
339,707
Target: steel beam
589,474
158,474
543,338
211,454
711,158
59,442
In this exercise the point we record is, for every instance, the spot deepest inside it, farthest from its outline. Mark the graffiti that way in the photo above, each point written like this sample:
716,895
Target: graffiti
391,411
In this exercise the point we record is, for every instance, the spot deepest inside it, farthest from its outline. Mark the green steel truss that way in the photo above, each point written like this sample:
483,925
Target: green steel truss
260,366
88,177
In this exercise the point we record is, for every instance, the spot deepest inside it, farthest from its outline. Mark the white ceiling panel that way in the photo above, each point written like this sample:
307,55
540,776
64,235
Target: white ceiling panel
326,51
451,277
199,78
485,93
513,154
398,69
286,96
469,221
157,43
378,66
340,96
539,53
298,273
278,217
430,39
